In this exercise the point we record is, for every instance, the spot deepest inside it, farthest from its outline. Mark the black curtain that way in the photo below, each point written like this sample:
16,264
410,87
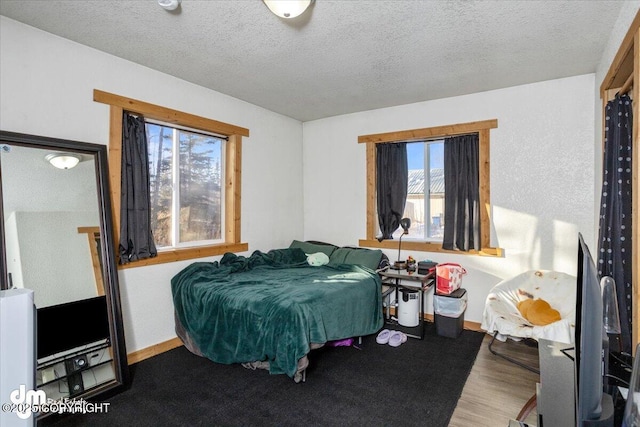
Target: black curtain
461,193
614,240
136,240
392,178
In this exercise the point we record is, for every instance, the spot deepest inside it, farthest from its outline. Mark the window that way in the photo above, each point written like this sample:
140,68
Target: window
425,191
423,205
186,173
196,216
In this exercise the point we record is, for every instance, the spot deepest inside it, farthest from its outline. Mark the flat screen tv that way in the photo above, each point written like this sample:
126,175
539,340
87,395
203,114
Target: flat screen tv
593,406
71,325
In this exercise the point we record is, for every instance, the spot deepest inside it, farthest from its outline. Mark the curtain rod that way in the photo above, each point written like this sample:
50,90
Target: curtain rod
627,85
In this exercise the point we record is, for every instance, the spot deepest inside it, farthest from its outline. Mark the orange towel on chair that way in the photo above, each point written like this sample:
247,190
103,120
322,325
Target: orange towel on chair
538,312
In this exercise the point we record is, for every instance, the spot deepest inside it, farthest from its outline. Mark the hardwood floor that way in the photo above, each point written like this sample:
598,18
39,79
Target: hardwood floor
496,389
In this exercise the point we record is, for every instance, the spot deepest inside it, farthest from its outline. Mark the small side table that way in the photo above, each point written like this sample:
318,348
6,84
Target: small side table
396,279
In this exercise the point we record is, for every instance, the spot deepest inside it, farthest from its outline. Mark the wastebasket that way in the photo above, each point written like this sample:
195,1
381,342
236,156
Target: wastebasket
449,313
408,307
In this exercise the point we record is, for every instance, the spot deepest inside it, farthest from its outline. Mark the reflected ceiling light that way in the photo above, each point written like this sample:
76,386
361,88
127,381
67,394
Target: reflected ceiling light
63,160
169,4
287,8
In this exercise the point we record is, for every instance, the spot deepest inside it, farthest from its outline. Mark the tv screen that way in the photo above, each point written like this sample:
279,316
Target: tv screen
589,340
67,326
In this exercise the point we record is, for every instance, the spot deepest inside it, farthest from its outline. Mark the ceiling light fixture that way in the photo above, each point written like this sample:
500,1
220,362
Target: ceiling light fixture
63,160
169,4
287,8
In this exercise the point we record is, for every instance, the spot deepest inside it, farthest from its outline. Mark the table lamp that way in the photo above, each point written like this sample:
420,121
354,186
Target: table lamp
405,223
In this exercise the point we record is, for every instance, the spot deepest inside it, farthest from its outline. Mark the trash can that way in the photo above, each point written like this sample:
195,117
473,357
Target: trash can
408,307
448,313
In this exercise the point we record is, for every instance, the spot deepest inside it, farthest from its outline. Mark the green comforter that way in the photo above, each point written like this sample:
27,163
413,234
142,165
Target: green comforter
272,306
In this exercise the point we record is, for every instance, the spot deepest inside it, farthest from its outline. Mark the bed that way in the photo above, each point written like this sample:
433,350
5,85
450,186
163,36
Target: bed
269,310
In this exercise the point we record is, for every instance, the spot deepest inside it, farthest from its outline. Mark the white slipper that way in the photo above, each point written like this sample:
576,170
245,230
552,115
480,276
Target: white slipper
397,338
383,336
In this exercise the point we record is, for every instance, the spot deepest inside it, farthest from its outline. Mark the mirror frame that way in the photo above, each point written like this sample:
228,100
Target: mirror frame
109,270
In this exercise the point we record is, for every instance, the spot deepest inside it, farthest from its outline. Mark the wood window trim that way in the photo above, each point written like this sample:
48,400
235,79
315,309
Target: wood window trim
482,128
233,173
93,237
624,72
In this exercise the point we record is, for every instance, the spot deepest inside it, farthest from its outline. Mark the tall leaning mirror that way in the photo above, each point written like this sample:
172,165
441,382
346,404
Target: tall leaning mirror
57,240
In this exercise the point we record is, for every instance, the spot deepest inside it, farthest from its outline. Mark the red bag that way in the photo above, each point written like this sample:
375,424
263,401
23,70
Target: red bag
449,277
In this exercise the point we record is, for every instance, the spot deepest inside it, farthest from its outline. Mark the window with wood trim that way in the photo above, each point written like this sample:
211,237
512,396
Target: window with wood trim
227,239
425,191
186,176
425,242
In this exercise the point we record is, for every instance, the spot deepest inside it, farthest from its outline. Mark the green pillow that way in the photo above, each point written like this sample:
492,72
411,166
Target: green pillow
312,248
361,256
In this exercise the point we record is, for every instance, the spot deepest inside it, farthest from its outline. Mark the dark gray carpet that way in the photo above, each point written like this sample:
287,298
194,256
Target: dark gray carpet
416,384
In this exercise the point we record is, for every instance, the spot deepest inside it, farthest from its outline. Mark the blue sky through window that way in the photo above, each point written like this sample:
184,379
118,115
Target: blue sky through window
415,155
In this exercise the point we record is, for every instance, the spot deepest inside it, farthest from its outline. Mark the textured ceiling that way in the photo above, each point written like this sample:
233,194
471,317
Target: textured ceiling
340,56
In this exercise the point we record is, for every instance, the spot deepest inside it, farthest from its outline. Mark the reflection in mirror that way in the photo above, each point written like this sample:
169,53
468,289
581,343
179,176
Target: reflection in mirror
47,212
57,239
69,364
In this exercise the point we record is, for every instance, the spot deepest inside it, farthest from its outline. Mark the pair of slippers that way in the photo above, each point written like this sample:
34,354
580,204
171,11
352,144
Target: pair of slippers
393,338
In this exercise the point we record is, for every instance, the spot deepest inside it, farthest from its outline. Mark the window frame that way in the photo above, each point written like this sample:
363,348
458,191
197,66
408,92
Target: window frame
176,176
232,175
427,186
482,128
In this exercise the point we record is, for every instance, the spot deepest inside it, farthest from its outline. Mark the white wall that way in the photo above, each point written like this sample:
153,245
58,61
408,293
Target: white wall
46,88
51,257
12,243
541,175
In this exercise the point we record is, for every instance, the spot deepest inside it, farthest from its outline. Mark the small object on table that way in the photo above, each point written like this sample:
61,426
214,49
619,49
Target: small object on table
426,267
411,264
399,265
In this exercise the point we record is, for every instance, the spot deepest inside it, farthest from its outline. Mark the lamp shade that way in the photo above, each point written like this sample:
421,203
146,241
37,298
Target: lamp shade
287,8
63,160
405,223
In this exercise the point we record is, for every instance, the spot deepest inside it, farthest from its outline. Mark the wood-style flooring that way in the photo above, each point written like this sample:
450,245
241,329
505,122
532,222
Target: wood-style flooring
496,389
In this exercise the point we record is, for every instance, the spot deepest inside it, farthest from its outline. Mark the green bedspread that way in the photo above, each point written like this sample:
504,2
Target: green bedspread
272,306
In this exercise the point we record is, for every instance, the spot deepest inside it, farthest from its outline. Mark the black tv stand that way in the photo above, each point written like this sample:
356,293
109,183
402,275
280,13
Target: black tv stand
556,391
607,415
